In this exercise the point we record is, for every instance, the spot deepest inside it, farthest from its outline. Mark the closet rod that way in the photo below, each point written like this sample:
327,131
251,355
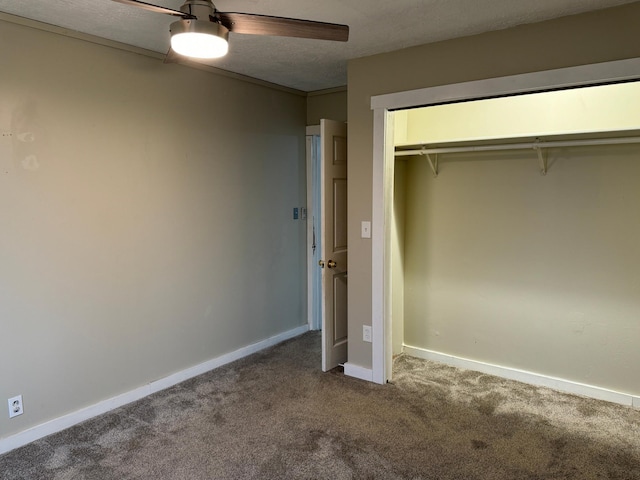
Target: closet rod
522,146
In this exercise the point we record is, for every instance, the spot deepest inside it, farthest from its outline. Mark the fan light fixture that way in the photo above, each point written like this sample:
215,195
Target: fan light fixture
199,39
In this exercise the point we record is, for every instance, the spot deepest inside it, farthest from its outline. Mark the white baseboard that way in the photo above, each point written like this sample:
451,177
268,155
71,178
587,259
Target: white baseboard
61,423
525,377
356,371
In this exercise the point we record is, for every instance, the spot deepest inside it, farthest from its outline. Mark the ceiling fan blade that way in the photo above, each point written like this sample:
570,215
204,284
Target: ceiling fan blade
254,24
155,8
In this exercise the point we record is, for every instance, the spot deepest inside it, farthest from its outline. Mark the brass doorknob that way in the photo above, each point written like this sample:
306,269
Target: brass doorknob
321,263
331,264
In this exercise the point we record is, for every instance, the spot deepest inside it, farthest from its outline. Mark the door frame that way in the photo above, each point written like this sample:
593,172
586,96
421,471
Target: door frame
312,302
383,107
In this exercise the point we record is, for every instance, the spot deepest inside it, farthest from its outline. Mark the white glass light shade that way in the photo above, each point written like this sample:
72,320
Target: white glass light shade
199,39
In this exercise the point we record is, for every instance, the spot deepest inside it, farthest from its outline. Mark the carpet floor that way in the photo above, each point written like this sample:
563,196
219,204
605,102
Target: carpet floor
275,415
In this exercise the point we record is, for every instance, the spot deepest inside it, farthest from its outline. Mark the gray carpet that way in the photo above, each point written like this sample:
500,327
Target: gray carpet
274,415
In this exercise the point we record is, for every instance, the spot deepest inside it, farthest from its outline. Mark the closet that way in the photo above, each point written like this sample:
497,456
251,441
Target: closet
516,233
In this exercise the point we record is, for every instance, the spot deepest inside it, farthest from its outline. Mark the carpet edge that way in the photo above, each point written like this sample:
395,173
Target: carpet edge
61,423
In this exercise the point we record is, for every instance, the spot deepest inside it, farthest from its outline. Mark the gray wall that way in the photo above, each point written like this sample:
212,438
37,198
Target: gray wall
146,220
582,39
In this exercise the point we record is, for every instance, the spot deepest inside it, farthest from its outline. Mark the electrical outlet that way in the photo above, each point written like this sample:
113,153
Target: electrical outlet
366,333
15,406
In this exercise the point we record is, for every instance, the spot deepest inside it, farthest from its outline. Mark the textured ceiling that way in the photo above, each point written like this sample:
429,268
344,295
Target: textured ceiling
308,65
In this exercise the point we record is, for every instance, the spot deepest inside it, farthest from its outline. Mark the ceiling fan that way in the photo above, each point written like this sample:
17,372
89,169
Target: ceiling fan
202,31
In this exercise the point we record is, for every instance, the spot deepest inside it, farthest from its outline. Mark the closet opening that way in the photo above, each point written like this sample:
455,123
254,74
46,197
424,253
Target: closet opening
504,227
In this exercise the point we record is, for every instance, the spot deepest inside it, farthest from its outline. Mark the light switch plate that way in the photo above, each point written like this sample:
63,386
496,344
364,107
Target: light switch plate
365,230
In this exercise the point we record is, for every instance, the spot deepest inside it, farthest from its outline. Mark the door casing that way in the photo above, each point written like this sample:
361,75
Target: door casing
313,184
383,161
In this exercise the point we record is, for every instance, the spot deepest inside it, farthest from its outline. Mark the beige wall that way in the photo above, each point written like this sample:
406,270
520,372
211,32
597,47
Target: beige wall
582,39
326,104
146,220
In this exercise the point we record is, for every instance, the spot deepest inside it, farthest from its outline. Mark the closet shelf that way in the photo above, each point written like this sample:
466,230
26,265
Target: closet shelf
539,145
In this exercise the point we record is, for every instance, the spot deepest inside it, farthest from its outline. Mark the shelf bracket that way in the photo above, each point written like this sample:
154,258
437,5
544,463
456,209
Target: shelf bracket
433,162
542,157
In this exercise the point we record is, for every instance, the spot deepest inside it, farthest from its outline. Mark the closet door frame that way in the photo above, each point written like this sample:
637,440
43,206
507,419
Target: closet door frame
383,107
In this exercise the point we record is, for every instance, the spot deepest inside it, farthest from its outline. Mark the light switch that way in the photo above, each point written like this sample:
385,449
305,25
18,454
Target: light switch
365,230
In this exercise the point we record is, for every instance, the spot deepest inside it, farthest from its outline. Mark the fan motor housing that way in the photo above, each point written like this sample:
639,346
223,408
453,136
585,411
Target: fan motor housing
201,9
199,26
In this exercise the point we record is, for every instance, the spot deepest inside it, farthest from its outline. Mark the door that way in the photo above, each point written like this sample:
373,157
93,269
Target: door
333,186
314,230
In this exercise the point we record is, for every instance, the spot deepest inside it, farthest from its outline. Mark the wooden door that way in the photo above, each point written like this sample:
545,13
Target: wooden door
333,136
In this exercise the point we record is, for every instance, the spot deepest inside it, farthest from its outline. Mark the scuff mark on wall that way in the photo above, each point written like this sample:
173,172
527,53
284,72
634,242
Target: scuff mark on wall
30,162
578,322
26,130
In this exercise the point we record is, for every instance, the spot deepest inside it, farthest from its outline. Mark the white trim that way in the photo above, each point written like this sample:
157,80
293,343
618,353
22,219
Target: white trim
61,423
537,145
309,225
571,77
636,402
378,229
382,105
357,371
524,376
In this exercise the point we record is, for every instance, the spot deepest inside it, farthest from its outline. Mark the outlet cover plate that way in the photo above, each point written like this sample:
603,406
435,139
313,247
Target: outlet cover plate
15,406
366,333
